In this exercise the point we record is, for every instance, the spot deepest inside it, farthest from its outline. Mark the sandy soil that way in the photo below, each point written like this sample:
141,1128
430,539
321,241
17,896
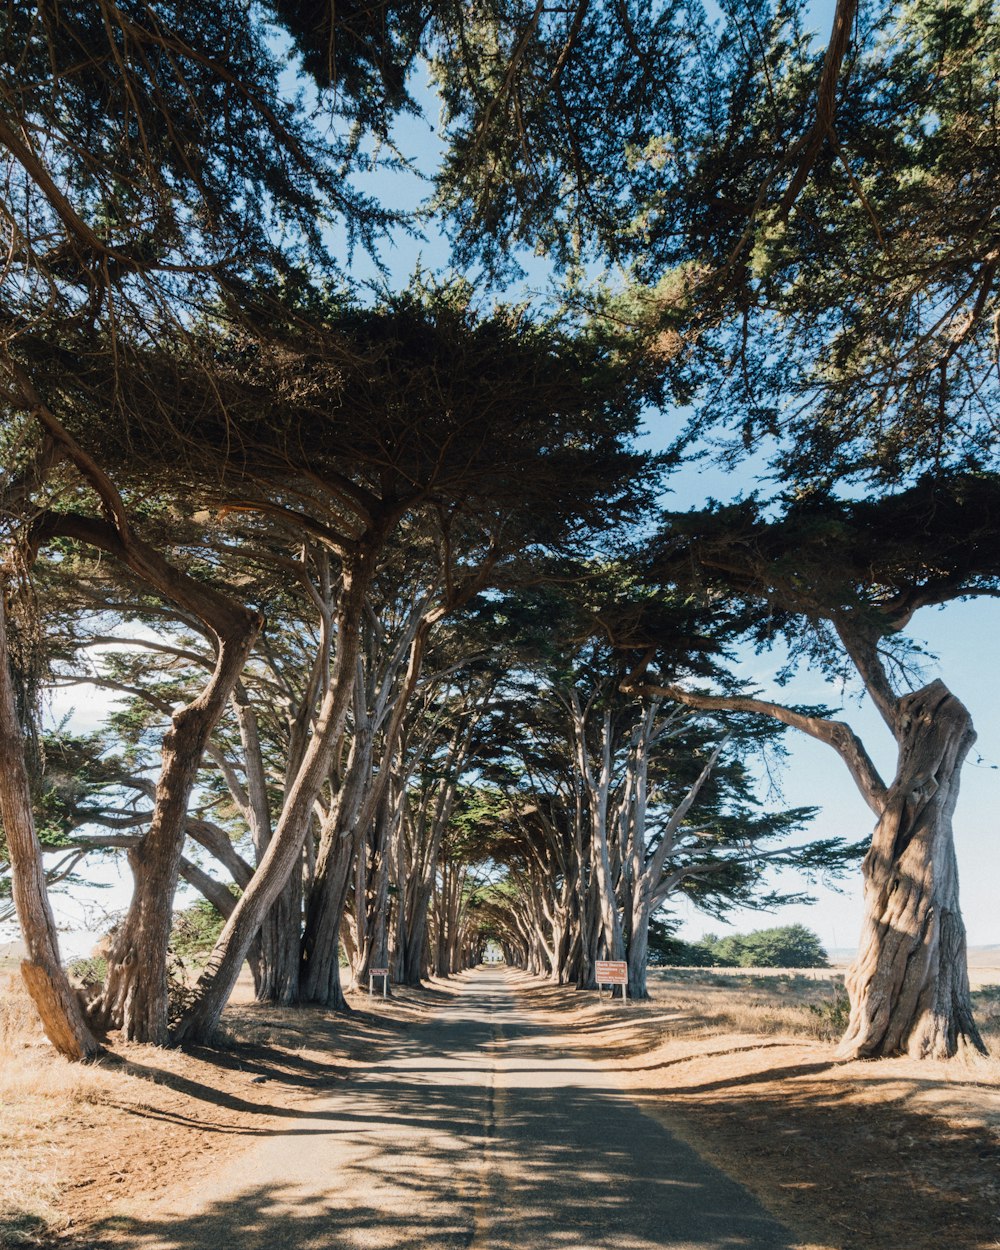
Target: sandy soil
886,1154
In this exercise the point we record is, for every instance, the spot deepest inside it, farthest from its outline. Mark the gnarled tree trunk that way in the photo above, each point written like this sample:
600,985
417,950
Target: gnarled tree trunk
319,979
135,993
320,976
55,1000
216,982
909,986
274,955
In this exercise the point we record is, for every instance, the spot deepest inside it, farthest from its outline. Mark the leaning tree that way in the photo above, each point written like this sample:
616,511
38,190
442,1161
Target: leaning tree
839,582
810,252
153,156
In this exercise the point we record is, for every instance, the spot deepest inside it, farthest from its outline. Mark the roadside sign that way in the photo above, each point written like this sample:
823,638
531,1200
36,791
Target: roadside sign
612,972
378,972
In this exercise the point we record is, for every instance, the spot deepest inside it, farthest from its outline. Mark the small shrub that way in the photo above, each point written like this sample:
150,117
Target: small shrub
832,1015
91,971
986,1010
196,929
786,946
180,990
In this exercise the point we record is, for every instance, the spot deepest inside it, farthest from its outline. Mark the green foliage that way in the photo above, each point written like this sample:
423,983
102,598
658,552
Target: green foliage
833,1014
986,1004
75,785
196,929
814,570
787,946
488,415
90,970
197,154
880,557
666,948
806,231
364,51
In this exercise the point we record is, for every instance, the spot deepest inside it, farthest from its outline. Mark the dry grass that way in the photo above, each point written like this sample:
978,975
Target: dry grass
987,1008
895,1153
45,1102
79,1138
891,1152
790,1004
742,1064
787,1004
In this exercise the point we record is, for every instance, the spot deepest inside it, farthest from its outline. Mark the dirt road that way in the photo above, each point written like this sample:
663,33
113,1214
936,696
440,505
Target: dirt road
471,1132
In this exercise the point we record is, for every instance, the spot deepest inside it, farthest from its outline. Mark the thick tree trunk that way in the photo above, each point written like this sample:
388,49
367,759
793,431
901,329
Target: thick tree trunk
283,853
638,946
134,998
375,952
414,953
320,976
55,1000
135,993
590,938
909,986
560,944
274,955
280,947
607,921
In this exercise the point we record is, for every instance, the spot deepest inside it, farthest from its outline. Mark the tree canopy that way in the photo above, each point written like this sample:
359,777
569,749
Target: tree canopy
408,644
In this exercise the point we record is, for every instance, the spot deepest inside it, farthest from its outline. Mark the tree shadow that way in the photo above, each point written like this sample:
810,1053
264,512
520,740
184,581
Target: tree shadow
442,1166
464,1134
855,1164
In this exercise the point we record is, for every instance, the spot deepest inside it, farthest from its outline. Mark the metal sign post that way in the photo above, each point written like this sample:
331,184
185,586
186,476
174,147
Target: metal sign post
378,972
612,972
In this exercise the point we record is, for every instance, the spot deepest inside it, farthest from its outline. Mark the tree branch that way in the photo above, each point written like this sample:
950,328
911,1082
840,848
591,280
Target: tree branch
836,734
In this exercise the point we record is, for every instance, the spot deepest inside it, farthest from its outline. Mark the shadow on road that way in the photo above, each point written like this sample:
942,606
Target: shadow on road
469,1132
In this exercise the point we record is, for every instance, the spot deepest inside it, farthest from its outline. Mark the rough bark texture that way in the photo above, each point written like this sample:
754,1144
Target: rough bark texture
320,975
648,879
135,992
274,956
909,986
638,951
55,1000
283,853
280,945
415,947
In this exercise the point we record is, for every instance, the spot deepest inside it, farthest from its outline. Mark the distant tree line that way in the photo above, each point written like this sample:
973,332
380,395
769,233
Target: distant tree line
785,946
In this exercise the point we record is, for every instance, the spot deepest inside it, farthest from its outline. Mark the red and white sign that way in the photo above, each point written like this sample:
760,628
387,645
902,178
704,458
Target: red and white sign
378,972
612,972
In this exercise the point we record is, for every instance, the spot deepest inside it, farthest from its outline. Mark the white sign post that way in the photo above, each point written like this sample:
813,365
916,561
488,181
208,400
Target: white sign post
612,972
378,972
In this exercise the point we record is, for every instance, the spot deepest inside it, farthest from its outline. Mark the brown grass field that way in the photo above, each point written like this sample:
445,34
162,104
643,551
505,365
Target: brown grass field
890,1154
